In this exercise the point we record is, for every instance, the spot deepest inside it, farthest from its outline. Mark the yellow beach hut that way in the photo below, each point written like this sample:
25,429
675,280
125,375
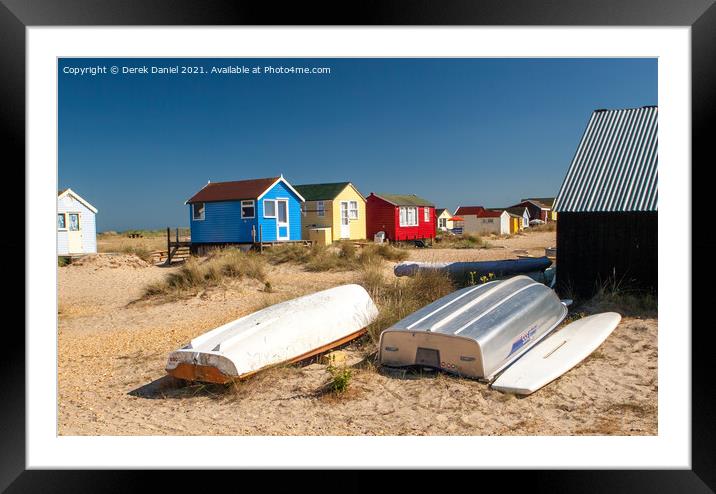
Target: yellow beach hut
333,211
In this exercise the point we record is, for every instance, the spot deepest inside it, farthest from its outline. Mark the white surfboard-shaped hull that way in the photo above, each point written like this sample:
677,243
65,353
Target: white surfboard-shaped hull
286,332
557,354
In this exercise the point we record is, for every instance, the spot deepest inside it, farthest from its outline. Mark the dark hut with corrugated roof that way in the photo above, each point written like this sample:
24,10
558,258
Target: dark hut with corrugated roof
608,205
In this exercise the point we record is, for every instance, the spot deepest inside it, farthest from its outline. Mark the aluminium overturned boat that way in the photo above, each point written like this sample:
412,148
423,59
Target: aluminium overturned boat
286,332
476,331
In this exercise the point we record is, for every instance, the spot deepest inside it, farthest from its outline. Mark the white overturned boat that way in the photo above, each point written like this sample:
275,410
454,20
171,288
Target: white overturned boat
476,331
286,332
557,354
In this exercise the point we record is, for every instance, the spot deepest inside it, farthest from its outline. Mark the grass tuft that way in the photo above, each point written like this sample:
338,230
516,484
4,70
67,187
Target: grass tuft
343,256
140,251
465,241
398,297
221,266
618,296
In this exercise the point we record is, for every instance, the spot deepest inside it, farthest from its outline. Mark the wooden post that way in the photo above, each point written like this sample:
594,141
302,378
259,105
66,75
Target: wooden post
261,238
177,235
169,246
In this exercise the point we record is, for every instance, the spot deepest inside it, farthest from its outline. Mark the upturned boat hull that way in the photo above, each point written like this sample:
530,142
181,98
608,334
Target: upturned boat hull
477,331
283,333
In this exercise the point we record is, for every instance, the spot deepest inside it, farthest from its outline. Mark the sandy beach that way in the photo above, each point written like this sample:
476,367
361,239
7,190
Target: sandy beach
111,344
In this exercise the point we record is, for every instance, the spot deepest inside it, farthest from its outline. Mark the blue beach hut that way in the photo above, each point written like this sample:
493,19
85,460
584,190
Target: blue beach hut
245,212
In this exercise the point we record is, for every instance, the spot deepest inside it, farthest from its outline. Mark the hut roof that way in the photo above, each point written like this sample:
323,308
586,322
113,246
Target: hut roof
404,199
237,190
615,165
471,210
322,192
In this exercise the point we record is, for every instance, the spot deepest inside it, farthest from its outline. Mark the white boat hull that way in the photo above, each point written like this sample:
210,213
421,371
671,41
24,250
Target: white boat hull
557,354
286,332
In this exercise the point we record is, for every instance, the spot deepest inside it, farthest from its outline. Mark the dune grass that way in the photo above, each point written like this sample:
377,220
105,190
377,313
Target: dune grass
220,267
342,256
619,296
550,226
398,297
141,251
465,241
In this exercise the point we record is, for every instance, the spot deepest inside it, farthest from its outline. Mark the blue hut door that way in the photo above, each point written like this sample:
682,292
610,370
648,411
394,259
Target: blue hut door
282,231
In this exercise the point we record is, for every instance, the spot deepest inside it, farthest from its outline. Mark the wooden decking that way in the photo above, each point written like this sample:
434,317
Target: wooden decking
181,248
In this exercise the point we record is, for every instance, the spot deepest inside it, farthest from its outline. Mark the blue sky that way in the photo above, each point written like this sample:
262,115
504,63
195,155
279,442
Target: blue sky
455,131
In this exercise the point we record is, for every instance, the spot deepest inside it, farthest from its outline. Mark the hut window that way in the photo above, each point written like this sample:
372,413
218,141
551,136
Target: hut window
197,210
248,209
353,210
443,222
74,222
61,221
408,216
426,215
320,208
269,208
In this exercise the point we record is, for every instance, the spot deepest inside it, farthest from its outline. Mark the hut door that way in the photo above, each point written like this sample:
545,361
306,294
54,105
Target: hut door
282,231
74,234
345,221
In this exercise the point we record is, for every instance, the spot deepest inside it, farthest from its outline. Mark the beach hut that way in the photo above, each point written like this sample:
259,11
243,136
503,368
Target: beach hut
76,227
332,211
443,219
607,204
480,220
538,209
519,217
401,216
548,204
244,212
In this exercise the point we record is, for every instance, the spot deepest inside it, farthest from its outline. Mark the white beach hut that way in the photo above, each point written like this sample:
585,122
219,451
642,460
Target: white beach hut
76,228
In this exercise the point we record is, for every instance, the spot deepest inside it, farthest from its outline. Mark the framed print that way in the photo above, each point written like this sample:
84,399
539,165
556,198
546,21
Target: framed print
277,234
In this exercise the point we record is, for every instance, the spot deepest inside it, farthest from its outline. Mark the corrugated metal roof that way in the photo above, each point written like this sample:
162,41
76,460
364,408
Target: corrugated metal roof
615,166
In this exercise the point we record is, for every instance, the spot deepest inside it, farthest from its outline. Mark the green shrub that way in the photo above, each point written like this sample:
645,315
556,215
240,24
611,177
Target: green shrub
340,378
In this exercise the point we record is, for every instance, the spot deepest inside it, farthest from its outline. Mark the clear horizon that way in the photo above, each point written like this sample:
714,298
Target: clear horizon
455,131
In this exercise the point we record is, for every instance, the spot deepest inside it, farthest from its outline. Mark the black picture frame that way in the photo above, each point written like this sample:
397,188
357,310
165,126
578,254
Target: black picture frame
700,15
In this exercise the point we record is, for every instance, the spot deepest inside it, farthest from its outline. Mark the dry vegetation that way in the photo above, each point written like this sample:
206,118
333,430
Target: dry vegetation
222,266
344,256
113,242
465,241
618,297
397,298
550,226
